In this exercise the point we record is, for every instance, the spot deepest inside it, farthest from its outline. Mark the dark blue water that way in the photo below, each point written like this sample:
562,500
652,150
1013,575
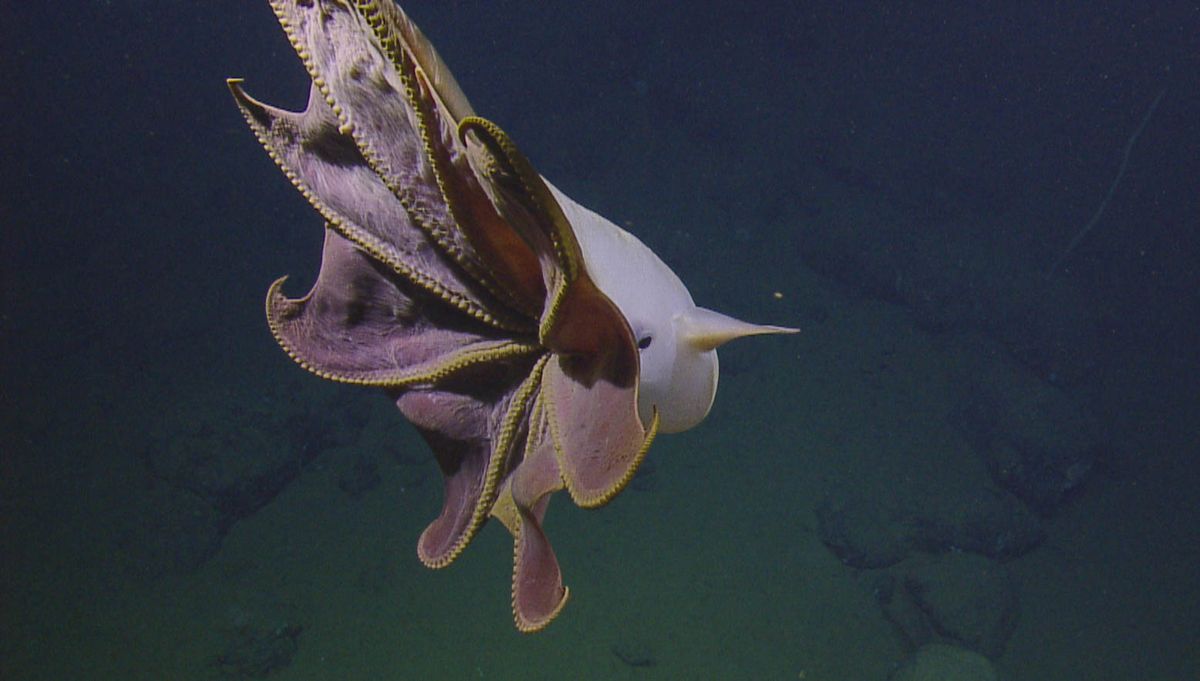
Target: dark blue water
984,219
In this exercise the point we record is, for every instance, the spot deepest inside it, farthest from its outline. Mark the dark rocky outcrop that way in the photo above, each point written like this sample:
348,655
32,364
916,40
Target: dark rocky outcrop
864,532
1037,442
221,466
359,474
254,653
876,532
960,598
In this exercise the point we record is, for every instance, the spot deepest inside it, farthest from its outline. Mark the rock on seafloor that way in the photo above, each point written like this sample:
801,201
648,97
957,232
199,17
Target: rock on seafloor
941,662
957,598
874,532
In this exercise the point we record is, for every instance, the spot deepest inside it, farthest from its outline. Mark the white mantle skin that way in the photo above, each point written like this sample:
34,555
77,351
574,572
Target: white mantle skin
677,340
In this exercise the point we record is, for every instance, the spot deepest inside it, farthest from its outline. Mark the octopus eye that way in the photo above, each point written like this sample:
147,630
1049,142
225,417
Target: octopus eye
644,342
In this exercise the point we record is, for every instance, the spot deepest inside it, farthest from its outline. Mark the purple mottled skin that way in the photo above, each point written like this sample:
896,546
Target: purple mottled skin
451,279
